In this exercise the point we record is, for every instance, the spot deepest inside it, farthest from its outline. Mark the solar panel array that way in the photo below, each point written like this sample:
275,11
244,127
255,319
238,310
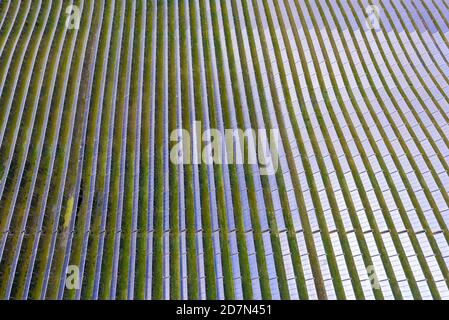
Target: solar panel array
92,207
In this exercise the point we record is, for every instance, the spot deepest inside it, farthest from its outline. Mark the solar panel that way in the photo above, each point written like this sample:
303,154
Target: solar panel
275,294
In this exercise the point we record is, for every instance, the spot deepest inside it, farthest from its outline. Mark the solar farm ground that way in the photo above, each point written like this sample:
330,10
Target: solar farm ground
96,98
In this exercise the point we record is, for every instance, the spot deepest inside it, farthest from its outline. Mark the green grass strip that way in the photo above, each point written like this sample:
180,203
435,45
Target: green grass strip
175,278
192,272
158,165
142,249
